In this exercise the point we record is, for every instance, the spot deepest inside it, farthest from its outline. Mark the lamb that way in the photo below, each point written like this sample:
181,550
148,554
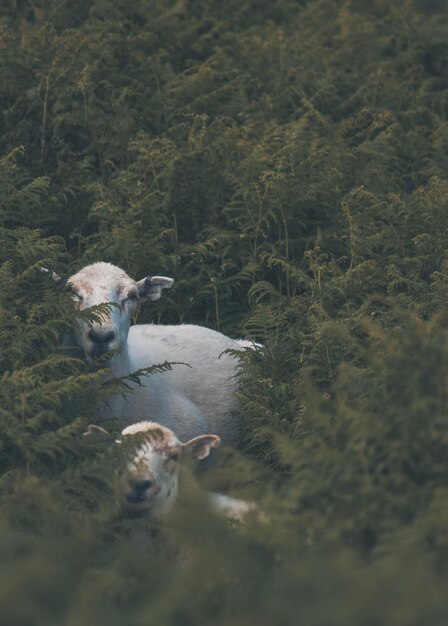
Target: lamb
149,480
190,399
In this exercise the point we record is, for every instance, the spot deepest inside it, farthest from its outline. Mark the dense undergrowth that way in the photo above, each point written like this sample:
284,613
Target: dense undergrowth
286,162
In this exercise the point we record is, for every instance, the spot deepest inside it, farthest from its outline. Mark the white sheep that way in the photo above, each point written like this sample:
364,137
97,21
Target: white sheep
191,400
149,478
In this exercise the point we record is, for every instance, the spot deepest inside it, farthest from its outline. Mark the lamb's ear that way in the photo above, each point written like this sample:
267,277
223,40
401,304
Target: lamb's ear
94,430
57,279
200,446
150,288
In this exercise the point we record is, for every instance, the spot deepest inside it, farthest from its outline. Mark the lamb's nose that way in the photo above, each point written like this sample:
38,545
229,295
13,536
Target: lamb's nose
101,337
140,486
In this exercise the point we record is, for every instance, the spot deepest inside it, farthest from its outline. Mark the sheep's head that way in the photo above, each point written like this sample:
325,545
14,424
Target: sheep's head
104,283
153,454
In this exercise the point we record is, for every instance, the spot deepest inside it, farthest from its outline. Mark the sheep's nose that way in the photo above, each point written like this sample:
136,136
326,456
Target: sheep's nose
101,337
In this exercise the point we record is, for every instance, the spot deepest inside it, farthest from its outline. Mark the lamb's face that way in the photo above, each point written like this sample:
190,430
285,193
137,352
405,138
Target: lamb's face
151,462
103,283
150,477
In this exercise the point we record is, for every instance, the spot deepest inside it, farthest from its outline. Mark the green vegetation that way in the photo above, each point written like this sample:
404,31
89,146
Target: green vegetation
286,162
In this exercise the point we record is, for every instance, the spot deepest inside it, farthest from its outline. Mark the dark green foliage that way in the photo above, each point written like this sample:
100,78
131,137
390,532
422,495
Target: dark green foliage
286,162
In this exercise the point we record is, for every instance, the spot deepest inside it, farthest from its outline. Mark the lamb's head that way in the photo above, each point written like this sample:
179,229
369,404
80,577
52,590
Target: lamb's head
153,455
104,283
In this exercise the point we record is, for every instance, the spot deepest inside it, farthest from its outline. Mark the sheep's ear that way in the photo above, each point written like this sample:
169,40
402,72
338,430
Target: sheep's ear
150,288
57,279
199,447
96,431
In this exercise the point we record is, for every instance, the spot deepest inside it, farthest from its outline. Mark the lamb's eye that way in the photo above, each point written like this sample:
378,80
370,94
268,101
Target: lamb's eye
132,296
77,297
174,456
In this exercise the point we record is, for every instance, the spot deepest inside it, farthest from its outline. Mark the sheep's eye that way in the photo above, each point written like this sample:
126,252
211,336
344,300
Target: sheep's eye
77,297
132,296
174,456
